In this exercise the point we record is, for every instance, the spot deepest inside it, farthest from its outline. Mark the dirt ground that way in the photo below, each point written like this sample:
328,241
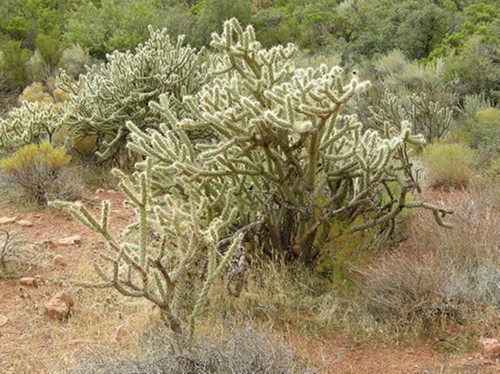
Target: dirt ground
31,342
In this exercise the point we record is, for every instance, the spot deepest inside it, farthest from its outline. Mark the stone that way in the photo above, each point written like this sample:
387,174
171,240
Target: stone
3,320
60,261
5,220
121,333
49,244
59,305
491,347
24,223
71,240
28,282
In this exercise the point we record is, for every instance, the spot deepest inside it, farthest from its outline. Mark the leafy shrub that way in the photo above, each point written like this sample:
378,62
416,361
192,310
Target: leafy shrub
242,350
448,164
36,168
74,60
14,64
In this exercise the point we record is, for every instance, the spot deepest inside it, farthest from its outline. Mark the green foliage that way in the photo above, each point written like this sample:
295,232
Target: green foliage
475,69
102,100
112,25
35,168
448,164
482,133
210,14
13,64
50,49
74,60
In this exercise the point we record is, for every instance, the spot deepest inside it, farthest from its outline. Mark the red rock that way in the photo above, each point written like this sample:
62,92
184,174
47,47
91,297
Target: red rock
59,305
28,282
3,320
4,220
59,260
71,240
24,223
491,347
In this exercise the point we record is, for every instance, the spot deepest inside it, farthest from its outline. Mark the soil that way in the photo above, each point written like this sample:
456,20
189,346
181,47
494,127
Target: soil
31,342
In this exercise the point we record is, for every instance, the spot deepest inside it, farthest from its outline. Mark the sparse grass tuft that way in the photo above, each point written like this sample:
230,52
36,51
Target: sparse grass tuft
448,165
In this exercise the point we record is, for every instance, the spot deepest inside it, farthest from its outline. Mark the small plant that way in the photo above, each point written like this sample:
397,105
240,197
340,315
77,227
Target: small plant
448,165
239,350
36,168
447,276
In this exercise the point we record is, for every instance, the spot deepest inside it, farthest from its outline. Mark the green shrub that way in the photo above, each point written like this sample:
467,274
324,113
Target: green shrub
36,168
448,165
14,64
482,133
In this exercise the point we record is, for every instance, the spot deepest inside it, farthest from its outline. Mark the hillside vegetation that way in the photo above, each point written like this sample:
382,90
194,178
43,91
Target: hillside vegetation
321,167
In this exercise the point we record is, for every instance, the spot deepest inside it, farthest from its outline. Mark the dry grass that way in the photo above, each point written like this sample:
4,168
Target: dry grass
448,165
226,348
445,275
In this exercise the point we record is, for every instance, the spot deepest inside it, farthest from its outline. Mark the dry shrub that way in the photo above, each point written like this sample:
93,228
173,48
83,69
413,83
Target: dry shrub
448,165
42,172
223,350
449,275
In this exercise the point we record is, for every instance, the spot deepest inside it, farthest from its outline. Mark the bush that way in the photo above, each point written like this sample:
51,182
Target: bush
36,168
448,165
243,350
448,275
14,64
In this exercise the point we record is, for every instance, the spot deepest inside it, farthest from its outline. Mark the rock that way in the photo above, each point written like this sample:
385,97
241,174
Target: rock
49,244
71,240
110,191
60,261
3,320
28,282
99,190
24,223
491,347
59,305
121,333
4,220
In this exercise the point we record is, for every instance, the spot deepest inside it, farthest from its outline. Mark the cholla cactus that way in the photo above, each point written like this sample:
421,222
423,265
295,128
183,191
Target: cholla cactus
427,117
33,122
121,90
281,141
172,236
281,159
